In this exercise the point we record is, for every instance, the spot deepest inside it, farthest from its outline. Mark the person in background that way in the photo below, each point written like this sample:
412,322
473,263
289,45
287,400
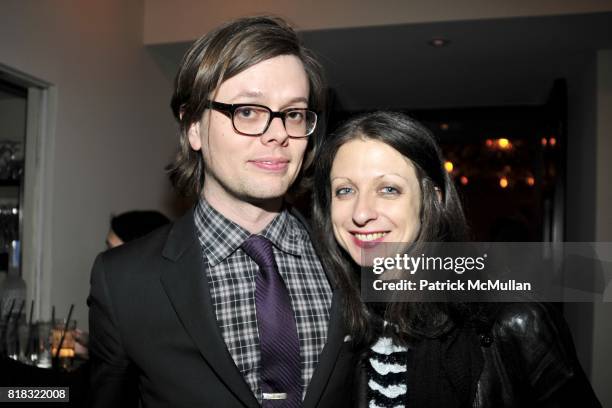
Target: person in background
229,306
130,225
124,228
381,180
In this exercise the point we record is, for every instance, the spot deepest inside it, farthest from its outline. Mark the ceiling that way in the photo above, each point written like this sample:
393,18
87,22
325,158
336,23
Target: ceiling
491,62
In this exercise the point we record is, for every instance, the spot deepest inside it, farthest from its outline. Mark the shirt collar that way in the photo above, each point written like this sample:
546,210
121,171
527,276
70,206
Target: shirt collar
220,237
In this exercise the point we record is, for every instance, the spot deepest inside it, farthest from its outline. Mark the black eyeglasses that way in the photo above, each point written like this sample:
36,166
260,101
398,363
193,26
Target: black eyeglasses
254,120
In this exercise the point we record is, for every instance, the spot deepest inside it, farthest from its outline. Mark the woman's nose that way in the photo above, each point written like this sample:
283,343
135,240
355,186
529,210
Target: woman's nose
364,210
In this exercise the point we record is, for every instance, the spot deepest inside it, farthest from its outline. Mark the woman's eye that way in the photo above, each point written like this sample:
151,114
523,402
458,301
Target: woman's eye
389,190
343,191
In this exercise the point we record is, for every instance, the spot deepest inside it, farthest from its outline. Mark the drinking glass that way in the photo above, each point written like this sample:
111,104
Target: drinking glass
66,352
43,342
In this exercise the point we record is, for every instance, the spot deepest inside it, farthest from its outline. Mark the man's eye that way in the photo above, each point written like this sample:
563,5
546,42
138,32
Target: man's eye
245,112
296,116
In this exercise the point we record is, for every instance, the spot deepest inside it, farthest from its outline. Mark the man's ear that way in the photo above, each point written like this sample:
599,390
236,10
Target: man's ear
194,136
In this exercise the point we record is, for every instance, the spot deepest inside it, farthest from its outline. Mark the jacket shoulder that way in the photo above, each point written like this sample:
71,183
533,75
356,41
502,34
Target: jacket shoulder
129,265
142,248
524,319
535,340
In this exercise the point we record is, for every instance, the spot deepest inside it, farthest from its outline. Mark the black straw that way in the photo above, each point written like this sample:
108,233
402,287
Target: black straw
17,319
20,311
29,343
31,311
8,316
61,343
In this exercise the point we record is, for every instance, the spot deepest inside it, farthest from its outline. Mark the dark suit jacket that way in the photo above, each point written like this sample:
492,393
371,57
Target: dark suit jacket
154,334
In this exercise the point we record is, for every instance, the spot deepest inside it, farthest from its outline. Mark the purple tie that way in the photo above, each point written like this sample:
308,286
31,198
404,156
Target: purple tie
281,381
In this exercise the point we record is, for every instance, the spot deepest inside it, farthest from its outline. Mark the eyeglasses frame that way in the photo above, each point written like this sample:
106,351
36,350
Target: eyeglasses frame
228,110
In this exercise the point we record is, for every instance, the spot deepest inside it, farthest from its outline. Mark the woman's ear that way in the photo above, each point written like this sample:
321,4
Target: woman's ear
439,194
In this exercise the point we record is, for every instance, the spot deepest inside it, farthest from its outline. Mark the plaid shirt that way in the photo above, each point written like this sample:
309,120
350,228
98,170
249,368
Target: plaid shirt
231,280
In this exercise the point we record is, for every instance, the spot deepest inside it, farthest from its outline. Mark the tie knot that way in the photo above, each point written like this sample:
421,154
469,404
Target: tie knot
260,250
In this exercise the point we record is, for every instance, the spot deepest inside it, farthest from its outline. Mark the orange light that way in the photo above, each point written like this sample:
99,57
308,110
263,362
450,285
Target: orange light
464,180
503,143
552,141
64,352
503,182
444,126
448,166
530,181
489,143
544,141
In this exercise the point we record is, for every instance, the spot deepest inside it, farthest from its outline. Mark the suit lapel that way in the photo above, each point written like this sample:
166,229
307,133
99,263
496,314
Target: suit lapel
329,355
335,332
187,288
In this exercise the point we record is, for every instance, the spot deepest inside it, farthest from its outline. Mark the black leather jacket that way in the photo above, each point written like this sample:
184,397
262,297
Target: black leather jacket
528,360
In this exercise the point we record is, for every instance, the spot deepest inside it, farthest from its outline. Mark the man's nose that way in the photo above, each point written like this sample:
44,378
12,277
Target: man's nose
276,132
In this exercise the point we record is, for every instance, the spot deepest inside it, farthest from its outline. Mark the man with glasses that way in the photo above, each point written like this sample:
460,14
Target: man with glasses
230,306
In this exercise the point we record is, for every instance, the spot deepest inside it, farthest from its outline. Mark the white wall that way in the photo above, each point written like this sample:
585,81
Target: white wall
183,20
113,133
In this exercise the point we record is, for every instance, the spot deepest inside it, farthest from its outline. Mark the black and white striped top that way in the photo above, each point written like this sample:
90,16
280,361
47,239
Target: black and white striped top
387,374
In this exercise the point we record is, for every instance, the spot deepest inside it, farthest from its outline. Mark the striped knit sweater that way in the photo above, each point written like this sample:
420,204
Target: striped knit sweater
387,374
